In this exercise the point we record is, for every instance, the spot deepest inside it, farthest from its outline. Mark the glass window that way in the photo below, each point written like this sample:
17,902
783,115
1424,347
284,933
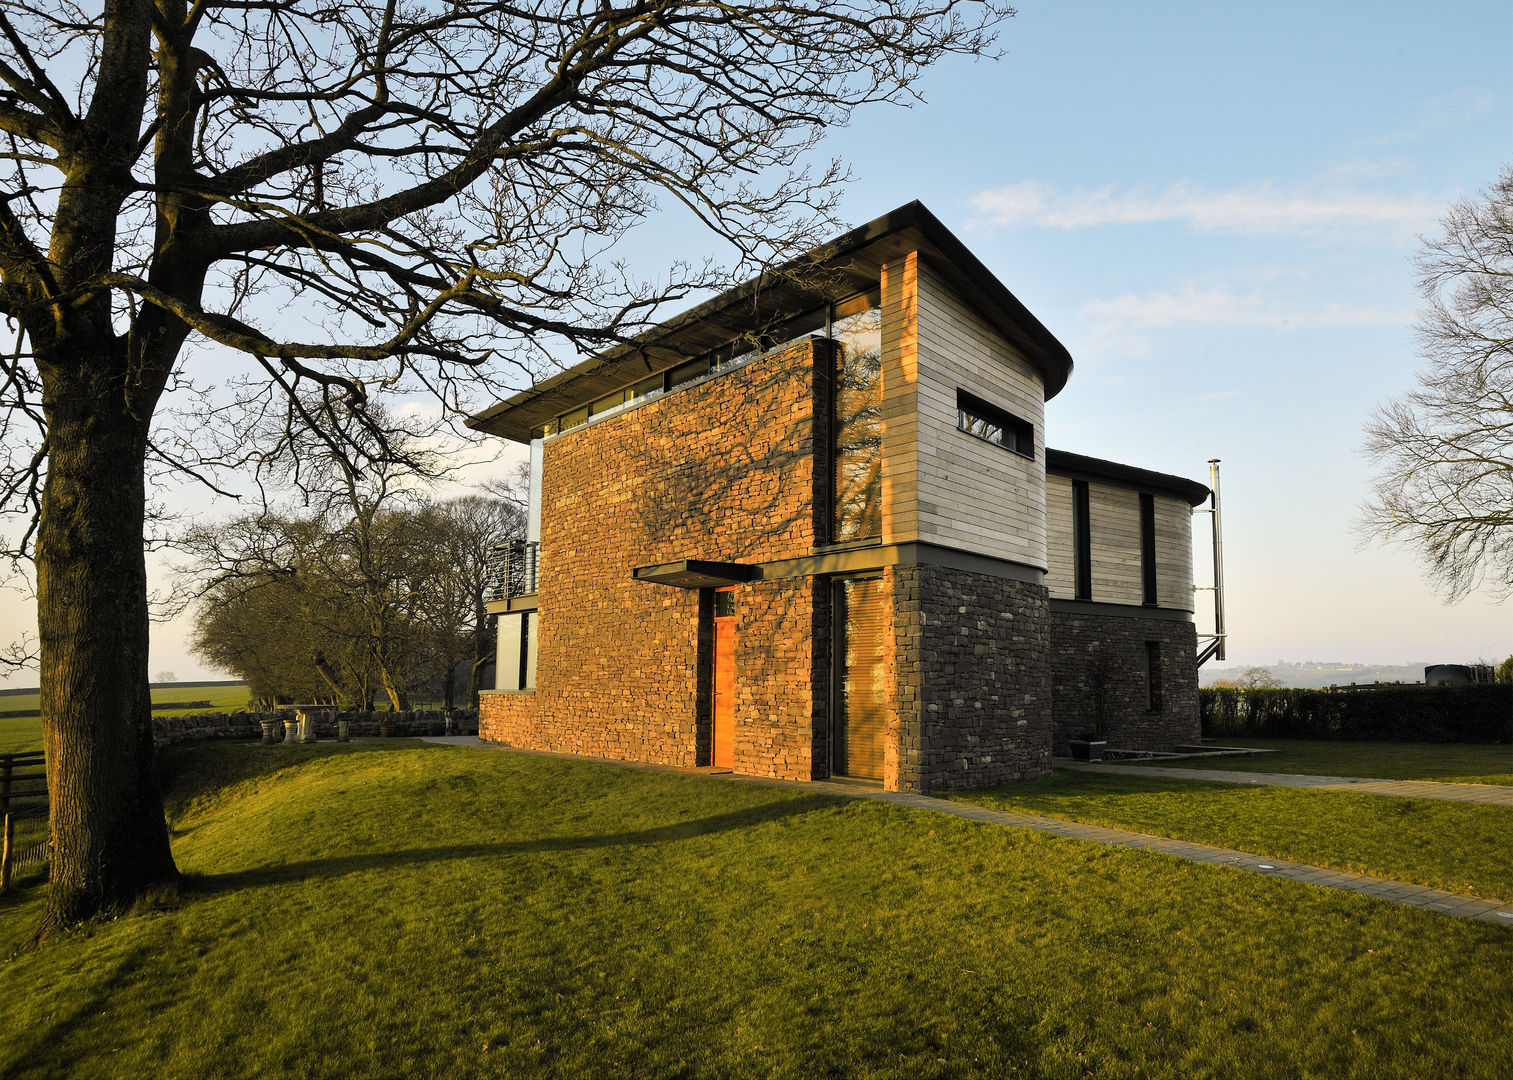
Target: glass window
687,373
1153,674
992,424
576,418
860,608
858,448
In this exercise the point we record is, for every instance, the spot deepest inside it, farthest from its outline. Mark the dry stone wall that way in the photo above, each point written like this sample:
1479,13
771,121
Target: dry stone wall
1106,655
247,725
974,692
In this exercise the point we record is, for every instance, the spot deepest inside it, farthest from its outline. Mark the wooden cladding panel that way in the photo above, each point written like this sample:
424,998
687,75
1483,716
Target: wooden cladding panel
1115,514
1174,553
1060,538
1115,522
970,494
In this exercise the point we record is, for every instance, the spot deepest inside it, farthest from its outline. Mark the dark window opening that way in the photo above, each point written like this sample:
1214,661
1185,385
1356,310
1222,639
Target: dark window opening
1147,549
990,423
1153,673
1082,542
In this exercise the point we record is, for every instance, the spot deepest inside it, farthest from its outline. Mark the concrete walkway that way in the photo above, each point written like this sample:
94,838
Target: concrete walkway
1490,794
1395,892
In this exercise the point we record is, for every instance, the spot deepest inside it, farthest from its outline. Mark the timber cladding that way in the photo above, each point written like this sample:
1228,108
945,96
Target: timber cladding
721,471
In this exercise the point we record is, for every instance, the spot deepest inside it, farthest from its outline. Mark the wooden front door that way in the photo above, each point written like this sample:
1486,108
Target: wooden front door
722,749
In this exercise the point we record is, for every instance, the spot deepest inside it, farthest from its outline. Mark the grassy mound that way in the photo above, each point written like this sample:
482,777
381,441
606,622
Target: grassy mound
396,909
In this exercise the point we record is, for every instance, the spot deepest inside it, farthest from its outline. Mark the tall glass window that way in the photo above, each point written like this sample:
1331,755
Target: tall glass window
860,607
858,430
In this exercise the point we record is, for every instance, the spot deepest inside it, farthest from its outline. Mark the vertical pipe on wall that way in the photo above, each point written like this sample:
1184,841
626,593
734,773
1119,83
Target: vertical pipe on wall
1213,485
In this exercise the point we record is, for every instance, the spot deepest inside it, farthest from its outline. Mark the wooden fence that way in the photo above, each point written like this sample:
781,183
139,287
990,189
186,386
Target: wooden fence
23,798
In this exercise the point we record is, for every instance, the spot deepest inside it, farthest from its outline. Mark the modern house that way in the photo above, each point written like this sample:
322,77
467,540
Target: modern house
812,528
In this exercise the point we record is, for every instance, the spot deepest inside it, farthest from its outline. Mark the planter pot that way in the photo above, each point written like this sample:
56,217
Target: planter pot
1088,749
386,730
343,728
268,737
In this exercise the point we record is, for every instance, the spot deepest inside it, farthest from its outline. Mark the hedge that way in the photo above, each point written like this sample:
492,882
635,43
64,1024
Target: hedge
1478,713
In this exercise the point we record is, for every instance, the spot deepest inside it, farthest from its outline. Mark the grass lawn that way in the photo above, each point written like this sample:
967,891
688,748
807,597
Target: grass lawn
400,910
18,733
1462,763
1461,847
221,698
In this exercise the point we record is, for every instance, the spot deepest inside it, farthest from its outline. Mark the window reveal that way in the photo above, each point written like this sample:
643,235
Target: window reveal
988,422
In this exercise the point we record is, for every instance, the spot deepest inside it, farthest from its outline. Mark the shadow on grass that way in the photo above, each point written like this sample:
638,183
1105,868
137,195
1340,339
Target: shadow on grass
338,865
87,998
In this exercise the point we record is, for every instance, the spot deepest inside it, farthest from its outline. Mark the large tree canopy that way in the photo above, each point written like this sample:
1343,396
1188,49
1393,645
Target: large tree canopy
447,179
1445,450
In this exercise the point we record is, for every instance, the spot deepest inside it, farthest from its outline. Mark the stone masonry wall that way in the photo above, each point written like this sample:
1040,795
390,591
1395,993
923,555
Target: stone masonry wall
1087,650
249,725
722,471
974,698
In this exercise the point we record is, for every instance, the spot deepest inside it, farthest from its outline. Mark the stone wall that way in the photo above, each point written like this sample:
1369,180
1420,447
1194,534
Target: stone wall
243,725
974,692
1090,653
720,471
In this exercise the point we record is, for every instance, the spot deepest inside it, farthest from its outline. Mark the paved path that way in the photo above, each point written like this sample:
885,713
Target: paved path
1396,892
1491,794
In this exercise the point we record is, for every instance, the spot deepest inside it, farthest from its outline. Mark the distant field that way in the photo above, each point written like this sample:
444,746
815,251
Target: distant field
25,732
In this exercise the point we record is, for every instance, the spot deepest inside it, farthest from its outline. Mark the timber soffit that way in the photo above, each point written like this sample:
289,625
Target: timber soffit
1080,467
843,266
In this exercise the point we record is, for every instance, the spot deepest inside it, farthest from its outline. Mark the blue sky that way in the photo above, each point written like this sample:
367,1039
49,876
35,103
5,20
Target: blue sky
1214,206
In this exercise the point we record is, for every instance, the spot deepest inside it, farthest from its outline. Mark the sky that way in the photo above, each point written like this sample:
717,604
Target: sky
1215,208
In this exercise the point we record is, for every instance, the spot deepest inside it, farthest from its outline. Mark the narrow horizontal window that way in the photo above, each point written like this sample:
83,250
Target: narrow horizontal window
990,423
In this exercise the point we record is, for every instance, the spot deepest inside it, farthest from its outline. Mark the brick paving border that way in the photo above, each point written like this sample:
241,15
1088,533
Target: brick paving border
1394,892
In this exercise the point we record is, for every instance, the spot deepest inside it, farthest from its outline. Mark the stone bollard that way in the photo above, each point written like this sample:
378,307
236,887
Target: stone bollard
268,737
291,732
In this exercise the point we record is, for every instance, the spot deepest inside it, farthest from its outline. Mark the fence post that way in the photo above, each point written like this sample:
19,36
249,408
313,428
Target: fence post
10,828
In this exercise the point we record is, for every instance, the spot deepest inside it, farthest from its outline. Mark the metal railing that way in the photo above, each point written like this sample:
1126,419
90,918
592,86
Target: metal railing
513,569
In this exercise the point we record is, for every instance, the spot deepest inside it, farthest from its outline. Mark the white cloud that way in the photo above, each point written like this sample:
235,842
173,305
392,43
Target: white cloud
1217,306
1259,211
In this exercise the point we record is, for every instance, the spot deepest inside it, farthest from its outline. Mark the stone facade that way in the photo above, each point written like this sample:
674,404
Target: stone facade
1094,655
721,471
639,461
974,693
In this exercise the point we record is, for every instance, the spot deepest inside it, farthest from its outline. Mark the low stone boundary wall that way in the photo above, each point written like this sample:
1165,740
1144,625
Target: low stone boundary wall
247,725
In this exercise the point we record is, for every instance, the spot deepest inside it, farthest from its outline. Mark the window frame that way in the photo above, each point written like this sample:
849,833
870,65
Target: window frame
1015,434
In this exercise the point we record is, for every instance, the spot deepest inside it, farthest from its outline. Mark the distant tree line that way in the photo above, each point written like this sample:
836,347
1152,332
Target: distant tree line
373,594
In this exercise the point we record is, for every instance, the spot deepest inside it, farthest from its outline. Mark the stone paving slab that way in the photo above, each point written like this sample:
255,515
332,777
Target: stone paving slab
1395,892
1490,794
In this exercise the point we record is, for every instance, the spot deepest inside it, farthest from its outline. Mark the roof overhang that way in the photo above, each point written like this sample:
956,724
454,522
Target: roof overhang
1081,467
696,574
846,265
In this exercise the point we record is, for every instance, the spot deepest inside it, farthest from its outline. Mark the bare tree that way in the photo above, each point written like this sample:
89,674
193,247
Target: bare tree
460,535
1444,451
447,180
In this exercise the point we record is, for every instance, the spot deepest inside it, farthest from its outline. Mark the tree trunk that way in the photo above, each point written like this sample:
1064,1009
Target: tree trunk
109,837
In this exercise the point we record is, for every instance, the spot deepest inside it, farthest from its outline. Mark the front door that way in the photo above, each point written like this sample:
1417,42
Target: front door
722,750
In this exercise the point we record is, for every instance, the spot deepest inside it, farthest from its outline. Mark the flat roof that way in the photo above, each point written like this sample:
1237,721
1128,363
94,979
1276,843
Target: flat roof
846,265
1082,467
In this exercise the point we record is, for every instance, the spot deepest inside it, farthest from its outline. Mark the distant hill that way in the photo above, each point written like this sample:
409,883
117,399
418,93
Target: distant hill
1311,675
